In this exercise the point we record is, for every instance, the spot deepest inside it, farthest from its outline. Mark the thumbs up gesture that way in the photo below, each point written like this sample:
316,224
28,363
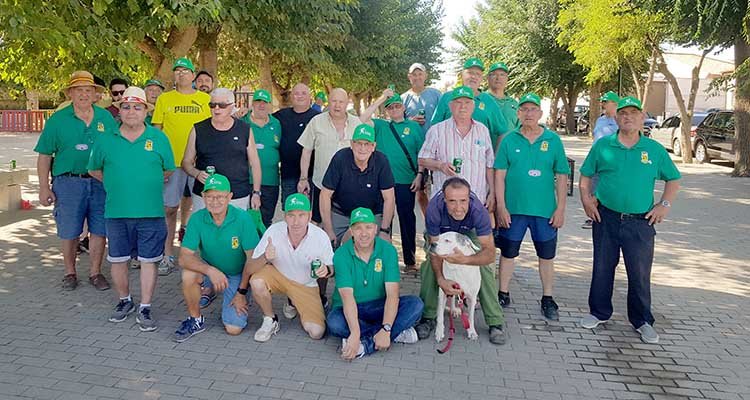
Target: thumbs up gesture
270,250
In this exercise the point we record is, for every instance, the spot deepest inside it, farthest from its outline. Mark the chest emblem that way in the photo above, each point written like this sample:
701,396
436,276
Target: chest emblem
149,145
100,127
276,138
378,265
481,106
407,130
82,147
644,158
235,242
545,146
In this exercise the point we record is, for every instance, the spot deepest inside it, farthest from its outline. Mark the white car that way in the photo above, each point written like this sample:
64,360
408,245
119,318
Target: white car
668,133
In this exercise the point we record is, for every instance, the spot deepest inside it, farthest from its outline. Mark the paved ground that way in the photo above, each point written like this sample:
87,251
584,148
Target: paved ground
58,345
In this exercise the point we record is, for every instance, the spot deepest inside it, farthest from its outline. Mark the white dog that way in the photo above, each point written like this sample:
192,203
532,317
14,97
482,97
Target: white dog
467,276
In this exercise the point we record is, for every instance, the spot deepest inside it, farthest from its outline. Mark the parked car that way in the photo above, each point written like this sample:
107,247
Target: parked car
649,123
715,138
578,110
668,133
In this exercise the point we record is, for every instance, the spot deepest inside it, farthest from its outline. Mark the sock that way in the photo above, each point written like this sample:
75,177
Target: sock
199,319
127,298
504,293
546,297
144,306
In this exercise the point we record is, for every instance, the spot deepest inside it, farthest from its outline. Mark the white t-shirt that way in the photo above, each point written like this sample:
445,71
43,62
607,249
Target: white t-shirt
295,263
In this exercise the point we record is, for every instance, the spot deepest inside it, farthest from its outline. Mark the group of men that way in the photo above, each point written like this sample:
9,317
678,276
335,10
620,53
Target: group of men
477,163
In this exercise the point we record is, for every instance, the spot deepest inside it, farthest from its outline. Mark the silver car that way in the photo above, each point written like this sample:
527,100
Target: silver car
668,133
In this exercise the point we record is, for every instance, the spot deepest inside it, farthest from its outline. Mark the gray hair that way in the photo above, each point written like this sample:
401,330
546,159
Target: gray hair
225,94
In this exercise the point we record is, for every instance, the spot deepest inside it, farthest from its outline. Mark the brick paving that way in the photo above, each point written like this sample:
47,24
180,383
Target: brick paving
59,345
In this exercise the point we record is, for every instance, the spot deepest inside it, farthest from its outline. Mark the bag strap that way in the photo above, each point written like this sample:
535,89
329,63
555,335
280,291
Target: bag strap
403,147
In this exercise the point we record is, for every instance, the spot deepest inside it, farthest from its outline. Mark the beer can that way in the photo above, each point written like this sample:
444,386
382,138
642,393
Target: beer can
421,112
392,87
314,265
210,170
12,164
458,163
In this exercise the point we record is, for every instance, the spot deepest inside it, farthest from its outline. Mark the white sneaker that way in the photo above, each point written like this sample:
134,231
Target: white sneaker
166,265
591,322
290,312
408,336
360,350
269,328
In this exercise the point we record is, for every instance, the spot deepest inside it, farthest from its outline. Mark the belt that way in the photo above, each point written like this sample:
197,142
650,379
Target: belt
85,176
624,216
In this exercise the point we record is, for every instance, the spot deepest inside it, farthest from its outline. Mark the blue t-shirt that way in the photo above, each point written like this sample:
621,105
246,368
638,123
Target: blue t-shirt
437,219
427,101
605,126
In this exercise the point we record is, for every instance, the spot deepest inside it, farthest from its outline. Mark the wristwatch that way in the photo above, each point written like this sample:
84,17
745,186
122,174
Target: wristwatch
242,291
257,192
385,230
665,203
387,327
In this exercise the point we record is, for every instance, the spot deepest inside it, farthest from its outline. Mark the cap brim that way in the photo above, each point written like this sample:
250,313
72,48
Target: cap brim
96,87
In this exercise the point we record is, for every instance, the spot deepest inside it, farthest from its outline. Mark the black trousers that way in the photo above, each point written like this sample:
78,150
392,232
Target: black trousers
407,221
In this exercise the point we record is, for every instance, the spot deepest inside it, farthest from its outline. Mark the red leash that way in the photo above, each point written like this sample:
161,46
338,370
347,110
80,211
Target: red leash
464,319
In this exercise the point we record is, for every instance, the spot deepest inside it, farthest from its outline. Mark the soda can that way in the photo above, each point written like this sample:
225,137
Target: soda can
314,265
421,112
458,163
392,87
210,170
12,164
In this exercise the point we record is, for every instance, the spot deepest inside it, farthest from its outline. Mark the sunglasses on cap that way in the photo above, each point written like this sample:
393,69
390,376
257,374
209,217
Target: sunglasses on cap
117,92
220,105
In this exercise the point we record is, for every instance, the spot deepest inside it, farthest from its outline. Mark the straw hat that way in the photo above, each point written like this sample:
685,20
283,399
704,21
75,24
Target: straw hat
83,78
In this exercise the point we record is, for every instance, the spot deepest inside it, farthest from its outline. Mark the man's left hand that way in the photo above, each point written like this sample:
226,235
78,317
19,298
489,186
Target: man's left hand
385,236
239,302
255,201
657,214
416,184
382,340
558,218
490,206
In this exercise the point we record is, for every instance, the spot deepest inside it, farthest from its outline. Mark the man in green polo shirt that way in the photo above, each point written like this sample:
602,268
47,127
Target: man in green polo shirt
486,110
266,130
497,80
137,157
218,244
368,313
624,215
153,88
68,136
400,139
531,184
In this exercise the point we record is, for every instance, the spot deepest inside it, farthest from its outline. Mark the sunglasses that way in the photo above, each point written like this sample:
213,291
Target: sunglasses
213,105
136,107
117,92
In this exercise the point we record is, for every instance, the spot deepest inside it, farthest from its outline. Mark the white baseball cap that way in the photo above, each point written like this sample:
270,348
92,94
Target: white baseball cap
417,66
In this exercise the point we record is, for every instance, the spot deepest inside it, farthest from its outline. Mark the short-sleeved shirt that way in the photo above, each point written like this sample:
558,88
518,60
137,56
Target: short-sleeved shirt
427,100
486,111
222,246
321,136
627,176
444,143
67,138
353,187
177,113
133,167
292,126
530,172
411,136
604,126
437,219
509,107
295,264
366,278
267,141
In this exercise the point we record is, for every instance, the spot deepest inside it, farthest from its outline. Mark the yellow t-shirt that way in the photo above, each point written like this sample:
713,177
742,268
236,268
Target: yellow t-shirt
177,113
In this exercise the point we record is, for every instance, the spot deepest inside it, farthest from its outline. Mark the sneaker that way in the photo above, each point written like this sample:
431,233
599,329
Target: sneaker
83,245
549,309
166,266
144,320
269,328
497,334
290,311
188,328
588,224
181,234
408,336
207,299
503,299
70,282
591,322
99,282
360,351
648,333
135,264
425,328
122,310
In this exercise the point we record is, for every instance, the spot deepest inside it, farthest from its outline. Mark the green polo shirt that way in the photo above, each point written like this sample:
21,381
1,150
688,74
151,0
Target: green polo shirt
222,246
411,135
69,140
530,172
366,278
509,107
267,139
486,111
627,176
133,168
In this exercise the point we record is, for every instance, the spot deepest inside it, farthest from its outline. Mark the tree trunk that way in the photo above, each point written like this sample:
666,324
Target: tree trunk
208,45
32,99
266,76
570,106
636,83
595,92
649,79
742,109
357,100
178,44
553,111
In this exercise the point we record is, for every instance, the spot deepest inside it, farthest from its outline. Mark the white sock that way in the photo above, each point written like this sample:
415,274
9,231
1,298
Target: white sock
144,306
127,298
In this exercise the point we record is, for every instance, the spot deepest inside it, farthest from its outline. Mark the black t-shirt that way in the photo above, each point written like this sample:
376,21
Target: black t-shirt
353,188
292,126
227,152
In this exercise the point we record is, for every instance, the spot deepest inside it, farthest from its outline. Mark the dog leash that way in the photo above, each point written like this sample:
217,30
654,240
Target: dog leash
464,319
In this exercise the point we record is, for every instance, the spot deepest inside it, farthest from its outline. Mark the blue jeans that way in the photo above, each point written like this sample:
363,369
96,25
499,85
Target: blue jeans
371,319
229,315
635,237
407,221
78,200
288,188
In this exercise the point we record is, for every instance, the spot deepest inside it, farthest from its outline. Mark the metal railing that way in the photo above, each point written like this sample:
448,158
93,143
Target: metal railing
23,120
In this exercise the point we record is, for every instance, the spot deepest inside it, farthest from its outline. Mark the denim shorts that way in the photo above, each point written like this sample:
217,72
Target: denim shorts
543,235
78,200
229,315
174,188
141,238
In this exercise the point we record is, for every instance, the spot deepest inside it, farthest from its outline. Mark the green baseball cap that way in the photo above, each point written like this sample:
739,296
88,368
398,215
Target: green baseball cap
154,82
396,98
297,202
321,95
629,101
183,62
262,95
530,98
364,132
474,62
362,214
498,65
462,91
610,96
217,182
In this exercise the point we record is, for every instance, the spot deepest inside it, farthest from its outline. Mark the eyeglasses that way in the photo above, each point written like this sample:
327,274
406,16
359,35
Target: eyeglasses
136,107
117,92
214,198
213,105
183,71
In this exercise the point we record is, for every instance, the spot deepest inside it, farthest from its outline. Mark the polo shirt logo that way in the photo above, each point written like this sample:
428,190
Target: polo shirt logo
100,127
481,106
545,146
644,157
149,145
235,242
378,265
407,130
82,147
275,138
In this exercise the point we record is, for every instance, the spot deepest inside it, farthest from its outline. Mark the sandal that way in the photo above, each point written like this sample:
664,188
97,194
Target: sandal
70,282
99,282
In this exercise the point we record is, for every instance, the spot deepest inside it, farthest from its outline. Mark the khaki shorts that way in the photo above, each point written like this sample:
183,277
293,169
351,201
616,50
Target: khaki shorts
305,299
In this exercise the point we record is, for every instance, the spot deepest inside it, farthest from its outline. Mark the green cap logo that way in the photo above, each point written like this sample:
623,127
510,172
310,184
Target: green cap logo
262,95
396,98
154,82
610,96
183,62
217,182
462,91
629,101
498,65
530,98
297,202
362,215
474,62
364,132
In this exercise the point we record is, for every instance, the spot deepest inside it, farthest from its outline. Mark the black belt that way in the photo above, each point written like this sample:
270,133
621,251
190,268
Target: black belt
624,216
86,175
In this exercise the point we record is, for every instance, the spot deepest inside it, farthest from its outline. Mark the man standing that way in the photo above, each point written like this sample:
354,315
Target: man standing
153,88
292,255
117,87
605,125
68,136
456,209
175,114
138,157
319,104
497,80
531,185
293,121
218,244
626,162
368,312
204,81
485,108
400,140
